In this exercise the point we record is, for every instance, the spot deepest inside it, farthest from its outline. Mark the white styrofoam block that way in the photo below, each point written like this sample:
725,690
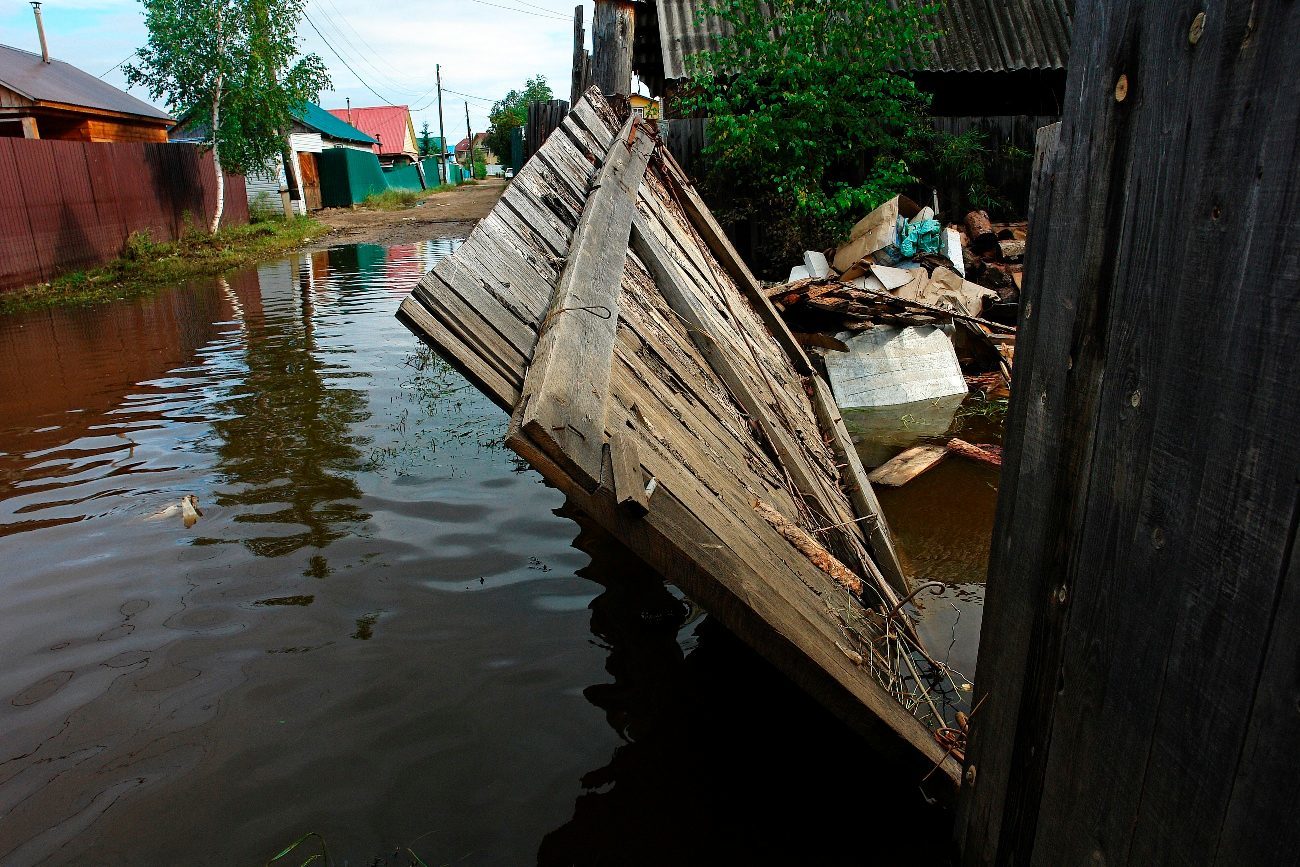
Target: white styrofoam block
798,272
954,251
816,264
887,365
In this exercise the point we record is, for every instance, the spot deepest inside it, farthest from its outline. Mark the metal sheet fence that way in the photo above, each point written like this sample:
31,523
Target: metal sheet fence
67,205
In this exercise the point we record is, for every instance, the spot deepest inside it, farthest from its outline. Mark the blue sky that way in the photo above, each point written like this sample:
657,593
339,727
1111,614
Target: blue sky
391,46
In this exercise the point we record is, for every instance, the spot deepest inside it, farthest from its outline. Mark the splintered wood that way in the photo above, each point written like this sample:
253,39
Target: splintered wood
650,379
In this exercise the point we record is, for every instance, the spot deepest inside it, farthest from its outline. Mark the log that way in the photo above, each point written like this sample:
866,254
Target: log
974,452
979,232
810,548
904,467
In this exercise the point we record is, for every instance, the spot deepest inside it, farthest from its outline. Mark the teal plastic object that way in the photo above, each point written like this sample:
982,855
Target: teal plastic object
925,236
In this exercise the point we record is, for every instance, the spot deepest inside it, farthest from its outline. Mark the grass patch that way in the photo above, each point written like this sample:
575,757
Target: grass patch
146,265
392,200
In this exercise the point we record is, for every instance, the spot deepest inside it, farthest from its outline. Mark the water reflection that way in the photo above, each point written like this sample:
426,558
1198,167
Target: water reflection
287,450
723,760
380,629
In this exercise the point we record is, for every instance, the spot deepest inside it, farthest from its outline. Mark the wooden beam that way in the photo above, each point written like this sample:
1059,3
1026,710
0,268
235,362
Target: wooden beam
629,481
567,383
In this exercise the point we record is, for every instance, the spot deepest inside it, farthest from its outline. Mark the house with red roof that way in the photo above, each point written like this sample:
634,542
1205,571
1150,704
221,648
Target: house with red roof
389,125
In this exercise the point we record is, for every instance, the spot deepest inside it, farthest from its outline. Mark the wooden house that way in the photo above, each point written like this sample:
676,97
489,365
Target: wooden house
45,98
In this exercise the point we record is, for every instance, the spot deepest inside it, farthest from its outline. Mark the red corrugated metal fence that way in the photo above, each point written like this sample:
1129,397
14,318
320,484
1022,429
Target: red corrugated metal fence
66,205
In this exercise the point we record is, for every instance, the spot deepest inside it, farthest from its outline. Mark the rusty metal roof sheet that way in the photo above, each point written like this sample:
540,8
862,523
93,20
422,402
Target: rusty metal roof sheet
975,35
56,81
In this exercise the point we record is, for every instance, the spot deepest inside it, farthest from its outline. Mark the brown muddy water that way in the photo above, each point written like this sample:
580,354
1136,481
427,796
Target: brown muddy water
383,629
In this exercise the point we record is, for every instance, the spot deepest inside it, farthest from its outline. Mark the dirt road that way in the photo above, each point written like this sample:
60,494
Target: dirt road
441,215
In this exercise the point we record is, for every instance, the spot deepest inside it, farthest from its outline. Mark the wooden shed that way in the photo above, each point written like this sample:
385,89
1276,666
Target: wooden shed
51,99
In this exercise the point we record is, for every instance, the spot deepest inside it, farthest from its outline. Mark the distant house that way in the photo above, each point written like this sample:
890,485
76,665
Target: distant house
643,106
480,144
56,100
391,128
314,129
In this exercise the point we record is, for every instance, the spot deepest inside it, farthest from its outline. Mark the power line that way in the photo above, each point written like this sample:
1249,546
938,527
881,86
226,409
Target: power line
116,65
364,83
387,80
555,16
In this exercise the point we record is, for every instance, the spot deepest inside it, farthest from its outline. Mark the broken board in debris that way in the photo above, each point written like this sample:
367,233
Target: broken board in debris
649,378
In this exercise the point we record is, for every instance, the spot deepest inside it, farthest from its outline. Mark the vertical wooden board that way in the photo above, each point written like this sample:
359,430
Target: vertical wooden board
20,264
1162,527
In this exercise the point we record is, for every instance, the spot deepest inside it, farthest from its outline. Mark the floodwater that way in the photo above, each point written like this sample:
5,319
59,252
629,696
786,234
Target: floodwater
943,519
383,631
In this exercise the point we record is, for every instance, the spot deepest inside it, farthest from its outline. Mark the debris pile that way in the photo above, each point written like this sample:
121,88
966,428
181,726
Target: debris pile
906,310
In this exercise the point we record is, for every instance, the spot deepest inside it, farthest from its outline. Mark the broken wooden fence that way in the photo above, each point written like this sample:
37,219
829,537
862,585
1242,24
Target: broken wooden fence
649,378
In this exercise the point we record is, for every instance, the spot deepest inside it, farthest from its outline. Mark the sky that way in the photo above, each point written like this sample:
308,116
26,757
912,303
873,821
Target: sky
376,53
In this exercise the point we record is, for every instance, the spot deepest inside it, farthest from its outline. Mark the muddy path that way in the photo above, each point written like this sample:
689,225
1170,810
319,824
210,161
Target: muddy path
443,215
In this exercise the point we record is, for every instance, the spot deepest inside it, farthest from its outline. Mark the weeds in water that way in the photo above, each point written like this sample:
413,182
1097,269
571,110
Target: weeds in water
323,855
146,265
982,406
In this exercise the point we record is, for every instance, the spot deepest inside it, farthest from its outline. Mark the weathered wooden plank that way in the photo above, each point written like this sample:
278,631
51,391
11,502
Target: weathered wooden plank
629,483
705,223
907,465
567,384
683,302
1141,707
459,354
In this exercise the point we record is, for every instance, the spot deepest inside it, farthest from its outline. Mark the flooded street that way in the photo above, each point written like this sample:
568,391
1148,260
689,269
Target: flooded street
383,628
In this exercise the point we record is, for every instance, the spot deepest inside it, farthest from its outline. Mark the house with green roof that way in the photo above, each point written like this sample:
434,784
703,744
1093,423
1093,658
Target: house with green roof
314,130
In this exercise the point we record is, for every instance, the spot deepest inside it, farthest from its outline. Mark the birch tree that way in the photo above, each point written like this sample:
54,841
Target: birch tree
232,66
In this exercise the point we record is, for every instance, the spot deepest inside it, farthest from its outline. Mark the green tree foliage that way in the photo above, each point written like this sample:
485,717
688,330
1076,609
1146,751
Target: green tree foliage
235,65
512,111
427,148
808,119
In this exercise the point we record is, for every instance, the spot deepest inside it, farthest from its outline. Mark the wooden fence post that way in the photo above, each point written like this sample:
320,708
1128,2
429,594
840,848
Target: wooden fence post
1137,688
613,27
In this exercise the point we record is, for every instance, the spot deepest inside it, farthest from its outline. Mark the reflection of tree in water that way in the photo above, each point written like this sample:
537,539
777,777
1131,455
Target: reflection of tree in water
726,761
287,439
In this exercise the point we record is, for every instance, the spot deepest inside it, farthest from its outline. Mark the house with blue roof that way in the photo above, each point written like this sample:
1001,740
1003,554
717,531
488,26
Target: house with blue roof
314,130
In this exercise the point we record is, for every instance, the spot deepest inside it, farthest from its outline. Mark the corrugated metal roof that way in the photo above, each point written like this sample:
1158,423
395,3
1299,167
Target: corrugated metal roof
389,124
56,81
327,124
997,36
975,35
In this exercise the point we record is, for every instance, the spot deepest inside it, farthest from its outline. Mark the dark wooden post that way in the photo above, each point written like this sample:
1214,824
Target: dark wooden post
1138,674
581,75
613,27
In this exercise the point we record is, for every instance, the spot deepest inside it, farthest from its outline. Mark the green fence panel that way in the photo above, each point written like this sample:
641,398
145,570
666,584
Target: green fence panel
403,177
348,176
430,165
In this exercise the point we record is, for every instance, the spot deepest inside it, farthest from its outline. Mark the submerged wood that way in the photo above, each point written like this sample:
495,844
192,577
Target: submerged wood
905,466
705,395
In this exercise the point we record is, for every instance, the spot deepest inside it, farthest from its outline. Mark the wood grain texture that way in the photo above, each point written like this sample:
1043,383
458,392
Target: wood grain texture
1137,661
567,384
629,481
907,465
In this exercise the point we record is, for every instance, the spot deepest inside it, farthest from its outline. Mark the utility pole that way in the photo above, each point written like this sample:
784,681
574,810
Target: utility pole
442,136
469,135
